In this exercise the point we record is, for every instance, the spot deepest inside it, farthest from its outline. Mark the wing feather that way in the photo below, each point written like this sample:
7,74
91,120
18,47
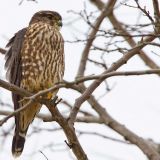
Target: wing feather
13,62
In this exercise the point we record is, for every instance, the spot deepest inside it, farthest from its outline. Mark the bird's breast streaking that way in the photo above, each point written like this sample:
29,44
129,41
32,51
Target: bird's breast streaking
41,58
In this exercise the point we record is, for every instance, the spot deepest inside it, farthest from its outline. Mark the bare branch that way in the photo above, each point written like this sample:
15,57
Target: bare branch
117,25
97,82
113,41
156,15
147,149
14,88
144,11
44,155
68,129
103,136
34,97
106,10
49,118
15,112
114,73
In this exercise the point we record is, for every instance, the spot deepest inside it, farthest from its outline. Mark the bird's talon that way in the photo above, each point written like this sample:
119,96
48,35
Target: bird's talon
55,100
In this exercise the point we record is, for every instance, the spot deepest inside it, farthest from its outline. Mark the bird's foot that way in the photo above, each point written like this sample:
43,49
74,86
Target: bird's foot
55,100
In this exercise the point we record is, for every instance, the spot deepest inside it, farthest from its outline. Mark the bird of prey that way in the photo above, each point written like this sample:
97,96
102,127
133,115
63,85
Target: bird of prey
34,62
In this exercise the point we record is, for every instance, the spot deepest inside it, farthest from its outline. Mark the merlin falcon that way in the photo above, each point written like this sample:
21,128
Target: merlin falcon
34,62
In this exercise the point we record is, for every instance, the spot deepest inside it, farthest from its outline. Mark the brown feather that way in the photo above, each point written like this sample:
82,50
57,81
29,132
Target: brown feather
34,61
13,63
14,69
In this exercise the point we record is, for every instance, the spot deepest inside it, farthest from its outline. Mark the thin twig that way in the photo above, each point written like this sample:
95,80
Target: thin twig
97,82
15,112
43,154
144,11
103,136
34,97
118,26
106,10
149,151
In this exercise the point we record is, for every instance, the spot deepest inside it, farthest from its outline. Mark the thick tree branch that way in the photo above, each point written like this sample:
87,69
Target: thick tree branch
68,129
108,120
32,98
97,82
67,124
14,88
69,132
146,148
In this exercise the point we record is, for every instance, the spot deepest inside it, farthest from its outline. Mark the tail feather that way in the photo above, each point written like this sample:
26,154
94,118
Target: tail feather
22,121
18,144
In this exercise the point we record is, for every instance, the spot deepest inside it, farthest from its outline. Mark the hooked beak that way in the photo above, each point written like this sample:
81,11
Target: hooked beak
60,23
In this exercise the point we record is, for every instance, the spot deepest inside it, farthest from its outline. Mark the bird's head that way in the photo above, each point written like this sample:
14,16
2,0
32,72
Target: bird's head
50,17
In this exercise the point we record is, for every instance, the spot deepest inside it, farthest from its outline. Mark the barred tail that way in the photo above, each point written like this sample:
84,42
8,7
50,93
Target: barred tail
18,143
23,120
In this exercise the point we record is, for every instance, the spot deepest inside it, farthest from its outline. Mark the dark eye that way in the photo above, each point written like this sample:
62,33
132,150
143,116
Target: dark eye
50,17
